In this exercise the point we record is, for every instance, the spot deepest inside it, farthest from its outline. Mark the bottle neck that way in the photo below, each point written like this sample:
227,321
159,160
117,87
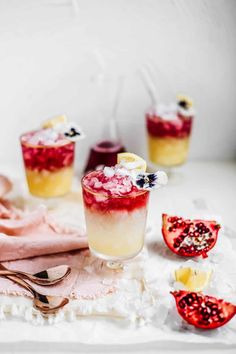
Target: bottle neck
111,131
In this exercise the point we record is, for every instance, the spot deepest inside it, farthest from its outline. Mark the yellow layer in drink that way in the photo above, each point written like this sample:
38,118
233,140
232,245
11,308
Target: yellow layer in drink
48,184
116,234
168,151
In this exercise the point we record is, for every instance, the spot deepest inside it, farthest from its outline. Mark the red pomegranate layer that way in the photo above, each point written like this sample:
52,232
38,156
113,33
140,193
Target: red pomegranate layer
116,193
48,158
176,128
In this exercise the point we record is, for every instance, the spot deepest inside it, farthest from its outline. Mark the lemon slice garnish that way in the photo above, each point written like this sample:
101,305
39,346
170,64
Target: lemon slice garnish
131,161
50,123
193,279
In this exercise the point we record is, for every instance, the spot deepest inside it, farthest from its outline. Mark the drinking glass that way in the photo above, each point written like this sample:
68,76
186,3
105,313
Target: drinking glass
168,140
115,224
48,169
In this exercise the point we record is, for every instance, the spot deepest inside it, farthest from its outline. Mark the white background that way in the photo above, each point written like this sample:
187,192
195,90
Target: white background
53,54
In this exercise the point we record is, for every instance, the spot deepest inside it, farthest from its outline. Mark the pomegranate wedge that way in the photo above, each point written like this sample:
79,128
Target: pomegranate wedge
189,238
203,311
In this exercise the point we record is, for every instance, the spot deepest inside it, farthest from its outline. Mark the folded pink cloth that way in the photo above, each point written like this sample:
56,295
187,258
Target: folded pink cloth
89,279
29,234
5,185
34,234
32,242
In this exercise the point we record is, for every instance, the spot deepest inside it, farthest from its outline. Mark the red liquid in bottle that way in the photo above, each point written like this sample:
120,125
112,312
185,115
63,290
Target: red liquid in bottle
103,153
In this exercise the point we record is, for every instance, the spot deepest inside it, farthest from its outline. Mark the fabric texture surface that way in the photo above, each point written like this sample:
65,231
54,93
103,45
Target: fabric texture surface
33,241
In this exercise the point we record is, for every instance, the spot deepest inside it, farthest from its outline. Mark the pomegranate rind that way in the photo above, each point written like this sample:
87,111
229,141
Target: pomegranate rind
169,236
193,315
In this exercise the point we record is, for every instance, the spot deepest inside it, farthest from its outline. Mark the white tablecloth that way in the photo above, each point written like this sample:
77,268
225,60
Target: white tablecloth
198,188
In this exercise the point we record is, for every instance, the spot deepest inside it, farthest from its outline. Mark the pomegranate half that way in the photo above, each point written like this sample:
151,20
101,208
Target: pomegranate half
203,311
189,238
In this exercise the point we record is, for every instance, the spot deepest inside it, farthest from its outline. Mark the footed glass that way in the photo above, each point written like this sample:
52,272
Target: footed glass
168,140
115,223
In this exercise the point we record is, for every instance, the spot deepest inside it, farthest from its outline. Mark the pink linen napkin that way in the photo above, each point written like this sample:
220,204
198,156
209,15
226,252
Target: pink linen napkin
5,185
32,242
86,280
29,234
34,234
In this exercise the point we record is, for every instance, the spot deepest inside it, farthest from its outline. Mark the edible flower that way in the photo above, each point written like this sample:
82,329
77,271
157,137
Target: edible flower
184,102
150,181
71,131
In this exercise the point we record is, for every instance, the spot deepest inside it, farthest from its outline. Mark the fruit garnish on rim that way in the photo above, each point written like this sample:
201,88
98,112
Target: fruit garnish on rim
137,167
61,126
203,311
52,122
193,279
189,238
131,161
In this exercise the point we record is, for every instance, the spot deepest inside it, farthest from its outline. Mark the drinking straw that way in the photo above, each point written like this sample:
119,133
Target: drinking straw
153,69
113,120
148,81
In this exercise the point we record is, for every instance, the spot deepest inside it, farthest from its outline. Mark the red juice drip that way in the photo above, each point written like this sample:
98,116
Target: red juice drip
103,153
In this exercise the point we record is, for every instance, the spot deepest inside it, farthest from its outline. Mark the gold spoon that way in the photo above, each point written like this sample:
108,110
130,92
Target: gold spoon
49,276
47,304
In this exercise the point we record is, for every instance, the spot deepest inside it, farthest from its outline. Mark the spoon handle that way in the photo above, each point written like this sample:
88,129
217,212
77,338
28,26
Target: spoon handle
6,271
21,282
33,279
46,277
45,304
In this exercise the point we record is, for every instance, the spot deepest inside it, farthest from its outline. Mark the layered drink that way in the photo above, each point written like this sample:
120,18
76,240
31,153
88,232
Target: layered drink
115,212
48,155
169,130
48,167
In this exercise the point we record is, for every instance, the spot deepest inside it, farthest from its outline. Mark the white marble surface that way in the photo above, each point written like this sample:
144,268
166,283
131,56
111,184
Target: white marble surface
202,189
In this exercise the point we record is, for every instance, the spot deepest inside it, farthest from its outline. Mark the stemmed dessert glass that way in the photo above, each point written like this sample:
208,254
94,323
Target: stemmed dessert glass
116,205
